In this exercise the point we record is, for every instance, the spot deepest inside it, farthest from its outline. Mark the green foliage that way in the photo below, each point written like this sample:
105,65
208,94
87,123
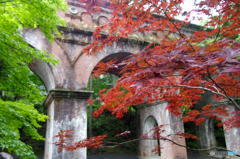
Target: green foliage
109,124
219,134
14,118
19,87
238,38
15,53
20,83
101,125
105,81
191,129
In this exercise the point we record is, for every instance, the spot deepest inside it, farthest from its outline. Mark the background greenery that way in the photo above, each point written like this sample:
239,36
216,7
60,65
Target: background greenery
109,124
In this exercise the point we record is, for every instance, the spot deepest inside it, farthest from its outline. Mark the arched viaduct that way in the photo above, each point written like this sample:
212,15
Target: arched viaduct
66,83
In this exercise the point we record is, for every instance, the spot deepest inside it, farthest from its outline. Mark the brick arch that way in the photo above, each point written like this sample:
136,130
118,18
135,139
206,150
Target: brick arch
36,40
152,119
118,57
149,121
74,68
53,76
86,64
66,101
43,70
87,18
101,20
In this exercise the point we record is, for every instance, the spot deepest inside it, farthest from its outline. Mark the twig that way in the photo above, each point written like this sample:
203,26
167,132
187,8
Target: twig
121,143
195,87
206,89
171,21
164,139
225,93
167,139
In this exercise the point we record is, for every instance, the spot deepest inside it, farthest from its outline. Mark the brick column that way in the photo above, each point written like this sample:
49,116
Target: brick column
232,136
172,125
66,110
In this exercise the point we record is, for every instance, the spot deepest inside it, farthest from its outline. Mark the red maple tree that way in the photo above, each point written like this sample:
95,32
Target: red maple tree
177,70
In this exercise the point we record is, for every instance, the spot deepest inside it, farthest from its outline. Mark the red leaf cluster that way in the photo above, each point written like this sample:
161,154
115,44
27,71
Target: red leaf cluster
207,111
65,138
233,121
90,101
186,135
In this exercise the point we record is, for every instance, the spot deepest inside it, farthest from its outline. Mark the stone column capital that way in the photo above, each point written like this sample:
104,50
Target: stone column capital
65,93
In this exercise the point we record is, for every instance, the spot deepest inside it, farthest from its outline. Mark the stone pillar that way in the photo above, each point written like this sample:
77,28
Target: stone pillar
172,125
206,134
175,126
150,144
66,110
232,136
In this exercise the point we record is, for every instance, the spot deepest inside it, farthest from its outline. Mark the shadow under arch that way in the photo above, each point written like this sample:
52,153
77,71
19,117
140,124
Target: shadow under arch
118,57
43,71
96,59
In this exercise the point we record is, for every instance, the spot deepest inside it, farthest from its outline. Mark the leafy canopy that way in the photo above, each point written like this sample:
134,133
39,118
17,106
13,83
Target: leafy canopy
17,117
19,87
176,67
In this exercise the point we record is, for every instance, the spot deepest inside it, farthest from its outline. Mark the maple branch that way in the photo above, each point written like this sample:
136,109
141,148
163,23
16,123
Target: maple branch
214,92
167,139
206,89
219,28
171,21
221,103
139,139
196,87
67,134
121,143
225,93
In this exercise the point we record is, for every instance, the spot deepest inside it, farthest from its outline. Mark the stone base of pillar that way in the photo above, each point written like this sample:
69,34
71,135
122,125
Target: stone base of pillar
66,111
232,136
172,125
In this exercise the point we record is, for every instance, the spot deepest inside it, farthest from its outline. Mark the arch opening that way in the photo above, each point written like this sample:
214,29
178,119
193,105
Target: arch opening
117,58
152,144
210,137
107,123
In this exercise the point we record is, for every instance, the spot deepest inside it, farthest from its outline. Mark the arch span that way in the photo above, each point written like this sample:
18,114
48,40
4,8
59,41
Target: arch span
37,40
86,64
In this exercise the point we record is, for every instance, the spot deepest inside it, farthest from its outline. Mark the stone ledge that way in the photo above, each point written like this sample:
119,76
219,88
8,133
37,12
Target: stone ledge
64,93
144,105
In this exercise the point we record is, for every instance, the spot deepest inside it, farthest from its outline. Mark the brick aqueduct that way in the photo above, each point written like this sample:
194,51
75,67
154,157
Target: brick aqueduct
67,81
